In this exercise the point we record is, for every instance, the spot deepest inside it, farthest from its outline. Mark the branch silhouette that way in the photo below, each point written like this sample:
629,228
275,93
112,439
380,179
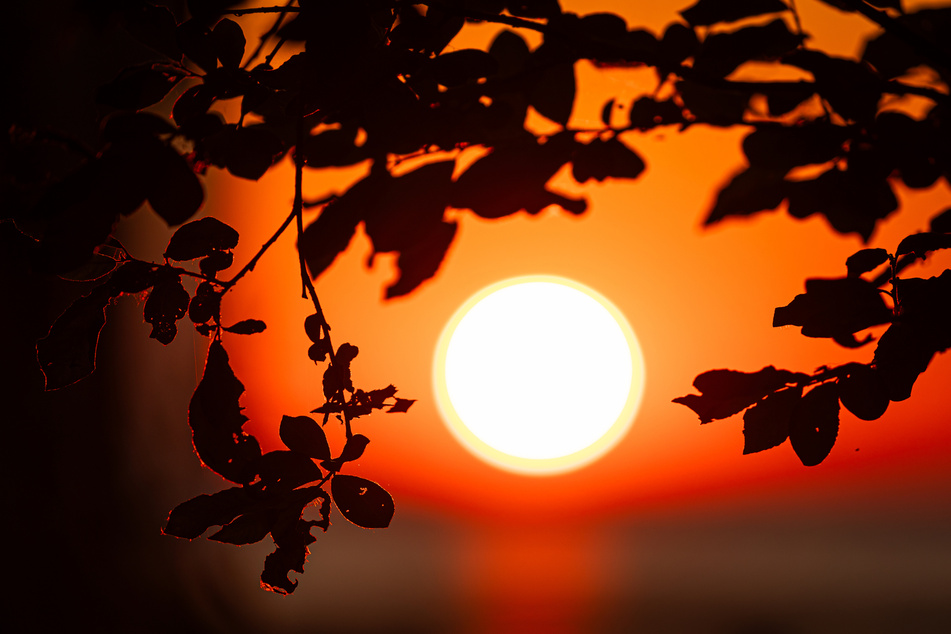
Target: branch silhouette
376,82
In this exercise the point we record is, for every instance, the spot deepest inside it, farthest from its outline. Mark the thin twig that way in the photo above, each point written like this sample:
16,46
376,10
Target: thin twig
264,38
257,256
284,9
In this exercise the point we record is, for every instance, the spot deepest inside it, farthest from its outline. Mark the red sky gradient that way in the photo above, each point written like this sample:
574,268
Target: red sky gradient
544,550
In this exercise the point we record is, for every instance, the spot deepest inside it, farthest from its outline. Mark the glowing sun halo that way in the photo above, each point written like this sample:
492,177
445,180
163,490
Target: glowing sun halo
538,374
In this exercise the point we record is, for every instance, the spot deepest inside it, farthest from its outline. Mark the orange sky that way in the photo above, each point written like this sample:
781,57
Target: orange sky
697,299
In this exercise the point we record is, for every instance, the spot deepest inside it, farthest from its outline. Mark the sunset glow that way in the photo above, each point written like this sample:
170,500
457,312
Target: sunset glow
538,374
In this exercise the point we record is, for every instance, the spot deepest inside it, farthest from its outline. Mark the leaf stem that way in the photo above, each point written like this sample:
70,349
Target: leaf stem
264,38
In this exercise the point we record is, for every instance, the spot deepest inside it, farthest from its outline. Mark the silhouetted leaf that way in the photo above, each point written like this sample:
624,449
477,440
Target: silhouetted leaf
137,87
721,53
337,376
214,262
606,110
205,305
780,147
200,238
362,502
462,66
192,518
606,159
865,260
401,405
834,307
510,51
329,235
173,190
921,329
863,392
647,113
194,40
920,244
553,95
335,148
708,12
724,393
851,88
154,26
815,424
677,44
216,420
292,539
303,435
192,103
853,200
247,327
167,303
892,56
247,152
941,223
718,107
750,191
766,424
533,8
375,398
68,352
282,471
354,448
228,41
132,277
248,528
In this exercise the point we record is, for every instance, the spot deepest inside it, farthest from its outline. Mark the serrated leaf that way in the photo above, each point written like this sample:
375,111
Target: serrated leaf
834,307
303,435
361,501
865,260
863,392
192,518
200,238
815,424
137,87
766,424
68,352
214,415
401,405
724,393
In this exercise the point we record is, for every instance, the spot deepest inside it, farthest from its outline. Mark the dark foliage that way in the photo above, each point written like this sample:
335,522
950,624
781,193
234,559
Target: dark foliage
375,82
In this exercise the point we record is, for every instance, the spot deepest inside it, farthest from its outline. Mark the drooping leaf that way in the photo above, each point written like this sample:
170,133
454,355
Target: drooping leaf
815,424
766,424
920,244
865,260
68,352
337,376
138,87
228,42
750,191
247,327
401,405
852,200
354,448
292,538
205,305
724,393
780,147
361,501
606,159
941,223
167,303
708,12
303,435
863,392
283,471
722,53
200,238
921,329
192,518
553,94
215,418
154,26
834,307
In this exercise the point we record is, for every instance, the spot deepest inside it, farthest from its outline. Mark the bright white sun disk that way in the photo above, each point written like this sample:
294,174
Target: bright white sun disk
539,374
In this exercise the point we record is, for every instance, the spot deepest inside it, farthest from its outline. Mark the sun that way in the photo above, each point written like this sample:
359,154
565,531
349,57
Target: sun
538,374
